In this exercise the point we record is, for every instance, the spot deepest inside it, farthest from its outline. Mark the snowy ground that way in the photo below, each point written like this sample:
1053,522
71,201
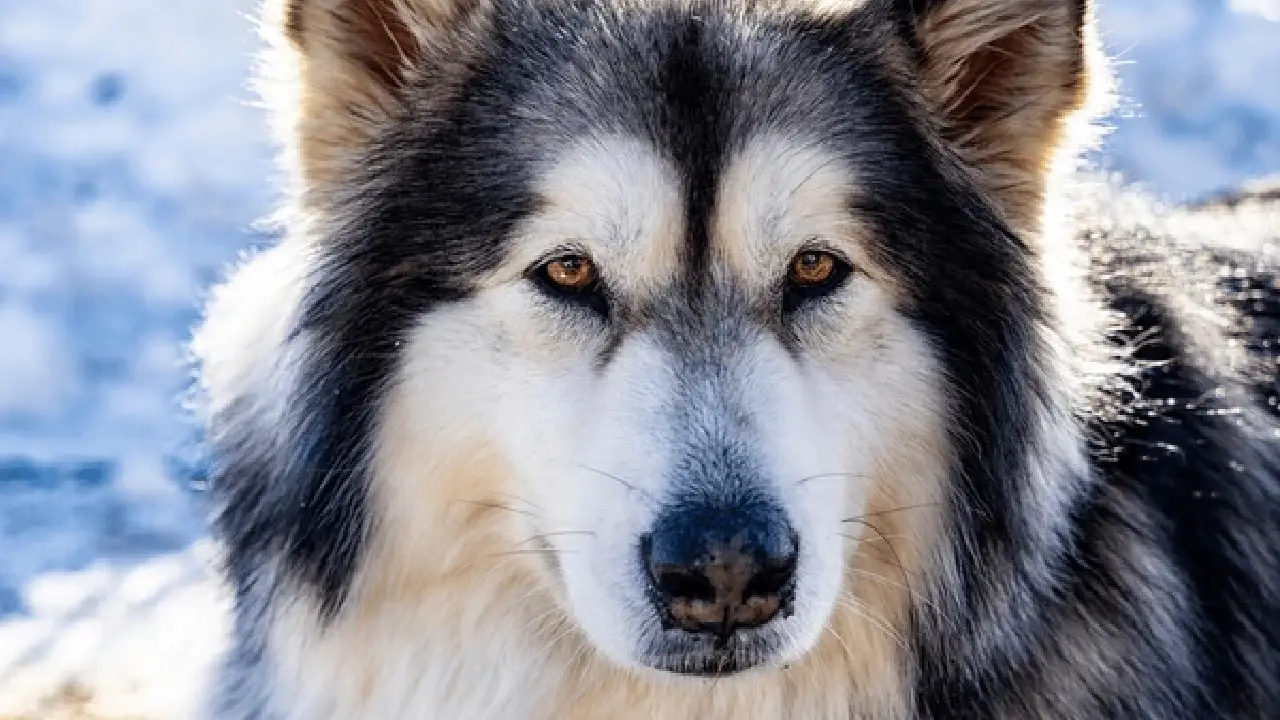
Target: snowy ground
131,167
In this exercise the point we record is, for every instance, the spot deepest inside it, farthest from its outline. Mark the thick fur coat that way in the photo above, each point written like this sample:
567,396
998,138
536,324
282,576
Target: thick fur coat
1004,443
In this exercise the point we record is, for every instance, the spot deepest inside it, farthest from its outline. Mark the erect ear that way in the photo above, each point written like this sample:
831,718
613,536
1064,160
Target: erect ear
340,69
1007,81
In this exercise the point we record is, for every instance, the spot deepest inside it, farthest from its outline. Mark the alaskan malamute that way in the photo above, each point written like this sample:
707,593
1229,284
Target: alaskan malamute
733,359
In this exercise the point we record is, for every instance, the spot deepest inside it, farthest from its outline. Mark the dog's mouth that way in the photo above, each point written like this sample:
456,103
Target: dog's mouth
679,653
706,666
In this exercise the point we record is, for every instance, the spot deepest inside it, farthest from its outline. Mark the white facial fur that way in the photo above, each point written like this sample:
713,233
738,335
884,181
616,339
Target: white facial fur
586,448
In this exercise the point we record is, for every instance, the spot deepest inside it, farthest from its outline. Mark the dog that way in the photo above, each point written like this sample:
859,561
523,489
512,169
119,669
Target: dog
734,359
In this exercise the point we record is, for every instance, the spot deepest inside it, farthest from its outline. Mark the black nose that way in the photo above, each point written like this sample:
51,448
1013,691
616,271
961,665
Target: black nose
716,569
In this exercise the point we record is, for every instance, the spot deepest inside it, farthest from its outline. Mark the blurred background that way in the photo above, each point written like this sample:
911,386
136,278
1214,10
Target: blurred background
133,164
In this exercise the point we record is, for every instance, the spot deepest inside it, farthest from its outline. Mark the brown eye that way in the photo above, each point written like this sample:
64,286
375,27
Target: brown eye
575,272
813,268
813,274
573,279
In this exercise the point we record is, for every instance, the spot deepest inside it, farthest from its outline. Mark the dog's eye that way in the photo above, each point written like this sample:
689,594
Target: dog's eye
572,273
812,274
573,278
812,268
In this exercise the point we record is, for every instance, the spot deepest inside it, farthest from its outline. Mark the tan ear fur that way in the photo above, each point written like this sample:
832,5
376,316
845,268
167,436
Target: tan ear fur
1011,82
338,70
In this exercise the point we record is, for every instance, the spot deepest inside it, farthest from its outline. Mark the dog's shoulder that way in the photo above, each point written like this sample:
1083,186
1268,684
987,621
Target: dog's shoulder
1195,293
1187,439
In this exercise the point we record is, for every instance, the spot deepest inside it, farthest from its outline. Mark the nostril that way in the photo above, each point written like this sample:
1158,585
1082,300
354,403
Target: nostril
775,571
770,581
684,584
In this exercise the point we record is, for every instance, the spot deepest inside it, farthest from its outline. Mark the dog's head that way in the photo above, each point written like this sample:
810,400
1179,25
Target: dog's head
707,294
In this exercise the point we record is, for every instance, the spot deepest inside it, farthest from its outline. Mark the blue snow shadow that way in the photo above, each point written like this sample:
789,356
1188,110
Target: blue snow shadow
70,514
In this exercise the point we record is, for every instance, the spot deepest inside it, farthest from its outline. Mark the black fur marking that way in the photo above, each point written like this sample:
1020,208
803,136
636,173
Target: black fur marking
690,124
409,245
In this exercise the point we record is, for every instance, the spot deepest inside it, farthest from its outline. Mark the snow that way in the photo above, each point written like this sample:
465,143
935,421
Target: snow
132,166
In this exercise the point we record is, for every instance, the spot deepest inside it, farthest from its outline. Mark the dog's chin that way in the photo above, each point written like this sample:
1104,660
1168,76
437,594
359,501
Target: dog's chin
711,666
674,653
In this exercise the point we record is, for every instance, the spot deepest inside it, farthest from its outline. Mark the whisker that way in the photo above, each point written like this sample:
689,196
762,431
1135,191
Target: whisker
890,511
906,579
620,481
557,533
886,538
495,505
532,551
848,652
864,611
914,595
831,476
520,498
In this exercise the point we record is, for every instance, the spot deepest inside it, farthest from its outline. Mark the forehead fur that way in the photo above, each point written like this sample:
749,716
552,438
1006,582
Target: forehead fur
656,110
779,194
614,197
996,83
696,80
618,199
663,123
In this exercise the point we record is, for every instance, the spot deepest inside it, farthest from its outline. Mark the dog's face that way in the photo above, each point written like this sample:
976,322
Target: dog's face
687,271
694,358
694,396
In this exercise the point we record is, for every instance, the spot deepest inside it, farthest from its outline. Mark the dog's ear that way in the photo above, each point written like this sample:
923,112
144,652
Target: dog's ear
1006,81
338,70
